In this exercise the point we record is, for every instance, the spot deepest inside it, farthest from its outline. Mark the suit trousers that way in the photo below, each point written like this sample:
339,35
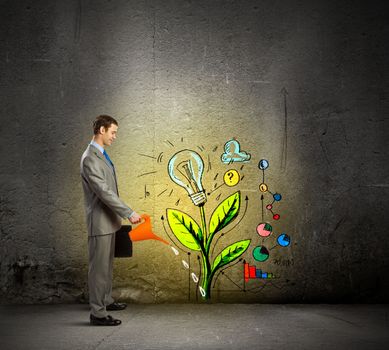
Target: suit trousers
101,253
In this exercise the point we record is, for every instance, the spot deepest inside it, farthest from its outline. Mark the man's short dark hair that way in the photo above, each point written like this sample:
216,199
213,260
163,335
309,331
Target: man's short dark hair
103,120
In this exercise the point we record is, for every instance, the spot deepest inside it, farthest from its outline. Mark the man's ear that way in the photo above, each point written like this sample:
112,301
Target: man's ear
102,130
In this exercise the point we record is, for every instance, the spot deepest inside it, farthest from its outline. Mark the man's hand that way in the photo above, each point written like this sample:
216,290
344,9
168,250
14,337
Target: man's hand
135,218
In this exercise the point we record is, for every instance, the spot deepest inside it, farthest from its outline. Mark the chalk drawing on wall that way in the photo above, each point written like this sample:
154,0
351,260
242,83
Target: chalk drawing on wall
231,177
252,272
283,240
186,168
197,237
233,154
264,229
261,253
264,188
276,198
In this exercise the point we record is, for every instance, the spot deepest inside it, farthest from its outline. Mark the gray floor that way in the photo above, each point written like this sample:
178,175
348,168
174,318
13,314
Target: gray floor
211,326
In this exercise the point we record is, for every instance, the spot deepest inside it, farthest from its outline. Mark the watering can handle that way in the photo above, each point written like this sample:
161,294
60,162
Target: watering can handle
145,217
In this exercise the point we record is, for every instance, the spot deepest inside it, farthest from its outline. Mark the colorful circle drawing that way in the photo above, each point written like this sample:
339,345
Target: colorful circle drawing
283,240
261,253
263,164
269,207
277,197
264,229
263,187
276,216
231,178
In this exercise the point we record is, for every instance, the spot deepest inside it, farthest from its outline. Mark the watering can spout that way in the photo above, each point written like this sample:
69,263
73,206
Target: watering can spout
144,231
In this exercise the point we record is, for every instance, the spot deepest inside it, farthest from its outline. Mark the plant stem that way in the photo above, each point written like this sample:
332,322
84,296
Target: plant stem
205,280
204,225
207,284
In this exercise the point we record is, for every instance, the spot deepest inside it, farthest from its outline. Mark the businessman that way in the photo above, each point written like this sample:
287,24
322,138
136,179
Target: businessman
104,212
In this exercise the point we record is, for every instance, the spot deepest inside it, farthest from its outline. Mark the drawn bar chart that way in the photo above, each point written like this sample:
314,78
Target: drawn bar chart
251,272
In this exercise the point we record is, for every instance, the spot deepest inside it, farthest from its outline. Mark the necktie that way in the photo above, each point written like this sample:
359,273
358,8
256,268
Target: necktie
109,159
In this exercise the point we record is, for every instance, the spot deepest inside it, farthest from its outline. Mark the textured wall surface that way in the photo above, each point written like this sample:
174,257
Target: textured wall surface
302,84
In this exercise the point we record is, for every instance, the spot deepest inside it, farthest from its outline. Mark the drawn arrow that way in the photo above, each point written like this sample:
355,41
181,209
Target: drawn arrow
222,272
284,92
262,207
225,269
255,288
209,193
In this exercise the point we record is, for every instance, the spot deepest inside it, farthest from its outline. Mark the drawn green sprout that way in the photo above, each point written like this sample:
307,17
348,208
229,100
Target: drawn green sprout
199,239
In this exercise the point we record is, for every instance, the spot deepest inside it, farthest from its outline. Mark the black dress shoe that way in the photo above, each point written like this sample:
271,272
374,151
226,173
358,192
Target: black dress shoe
104,321
116,306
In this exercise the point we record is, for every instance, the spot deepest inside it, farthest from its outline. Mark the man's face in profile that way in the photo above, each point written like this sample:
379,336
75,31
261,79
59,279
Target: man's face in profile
109,135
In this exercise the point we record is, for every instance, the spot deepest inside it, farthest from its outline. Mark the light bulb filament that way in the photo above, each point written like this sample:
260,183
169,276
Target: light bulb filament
186,169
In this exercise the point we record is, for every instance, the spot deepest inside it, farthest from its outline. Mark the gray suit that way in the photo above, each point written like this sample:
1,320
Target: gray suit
104,211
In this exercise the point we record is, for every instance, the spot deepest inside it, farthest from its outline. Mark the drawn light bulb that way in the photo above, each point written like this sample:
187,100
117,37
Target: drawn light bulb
186,170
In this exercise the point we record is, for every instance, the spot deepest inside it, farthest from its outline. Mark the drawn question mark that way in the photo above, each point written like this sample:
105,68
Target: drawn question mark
231,178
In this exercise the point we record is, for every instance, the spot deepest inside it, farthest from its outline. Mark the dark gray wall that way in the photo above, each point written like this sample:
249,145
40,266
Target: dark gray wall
300,83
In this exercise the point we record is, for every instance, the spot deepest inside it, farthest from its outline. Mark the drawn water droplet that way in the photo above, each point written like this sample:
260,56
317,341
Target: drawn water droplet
194,277
202,291
175,250
185,264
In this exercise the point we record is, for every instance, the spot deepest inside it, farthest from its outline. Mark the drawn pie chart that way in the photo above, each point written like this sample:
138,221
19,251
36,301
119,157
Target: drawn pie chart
283,240
260,253
264,229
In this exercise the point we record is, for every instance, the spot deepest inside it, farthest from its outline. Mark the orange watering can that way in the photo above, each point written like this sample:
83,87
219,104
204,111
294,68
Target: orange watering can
144,231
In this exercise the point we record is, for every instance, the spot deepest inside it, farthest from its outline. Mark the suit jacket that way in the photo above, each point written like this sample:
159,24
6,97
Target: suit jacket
104,209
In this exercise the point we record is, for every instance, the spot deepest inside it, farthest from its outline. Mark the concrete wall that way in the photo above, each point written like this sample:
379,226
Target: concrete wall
302,84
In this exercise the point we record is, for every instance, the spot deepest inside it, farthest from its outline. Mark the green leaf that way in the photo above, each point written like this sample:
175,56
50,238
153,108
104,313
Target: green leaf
230,253
185,229
226,211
